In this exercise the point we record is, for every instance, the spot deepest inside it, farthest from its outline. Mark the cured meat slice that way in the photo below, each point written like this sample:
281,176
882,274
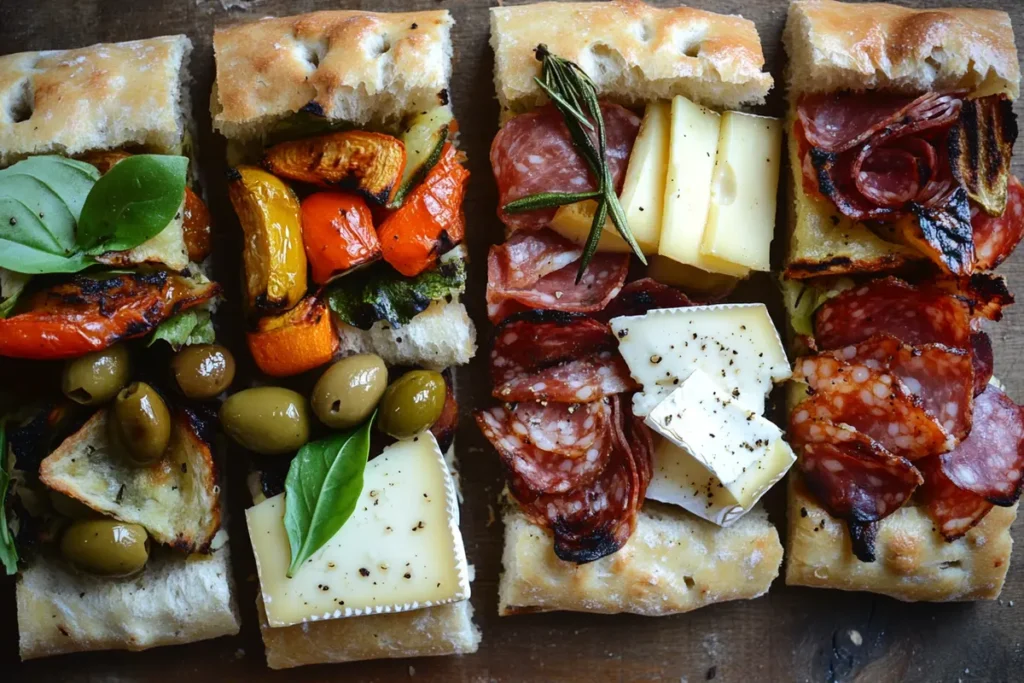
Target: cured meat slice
549,356
853,476
940,377
873,402
510,280
953,509
840,121
534,153
891,306
595,520
986,294
444,429
990,462
588,379
531,256
550,449
996,237
641,296
983,359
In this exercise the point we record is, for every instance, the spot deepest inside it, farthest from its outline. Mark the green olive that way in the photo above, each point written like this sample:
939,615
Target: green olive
96,377
71,508
140,424
106,547
203,371
267,420
412,403
349,390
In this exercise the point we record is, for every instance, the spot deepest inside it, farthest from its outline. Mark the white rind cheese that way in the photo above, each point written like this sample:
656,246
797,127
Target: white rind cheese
736,345
400,550
717,458
741,217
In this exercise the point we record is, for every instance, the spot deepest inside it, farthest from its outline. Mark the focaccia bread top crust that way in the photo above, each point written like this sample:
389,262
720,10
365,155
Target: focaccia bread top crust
101,97
348,65
632,51
845,46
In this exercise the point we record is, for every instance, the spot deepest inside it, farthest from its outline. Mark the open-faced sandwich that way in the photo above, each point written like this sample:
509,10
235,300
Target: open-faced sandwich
911,455
348,183
630,420
111,513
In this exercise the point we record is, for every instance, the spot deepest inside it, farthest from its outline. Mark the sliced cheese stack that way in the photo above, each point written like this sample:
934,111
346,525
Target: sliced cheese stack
705,372
400,550
699,194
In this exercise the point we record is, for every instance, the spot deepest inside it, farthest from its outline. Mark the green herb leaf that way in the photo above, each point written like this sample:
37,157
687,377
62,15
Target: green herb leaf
381,293
134,201
194,326
322,489
8,551
11,286
40,201
574,95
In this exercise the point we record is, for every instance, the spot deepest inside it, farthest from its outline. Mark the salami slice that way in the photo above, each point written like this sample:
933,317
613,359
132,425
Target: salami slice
983,359
940,377
840,121
853,476
873,402
995,237
534,153
592,521
514,284
955,510
548,356
891,306
550,449
641,296
990,462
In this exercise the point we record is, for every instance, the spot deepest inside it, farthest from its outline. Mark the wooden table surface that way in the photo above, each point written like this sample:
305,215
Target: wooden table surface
792,634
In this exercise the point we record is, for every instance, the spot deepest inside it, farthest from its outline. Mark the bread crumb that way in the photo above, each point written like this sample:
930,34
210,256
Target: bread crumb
856,638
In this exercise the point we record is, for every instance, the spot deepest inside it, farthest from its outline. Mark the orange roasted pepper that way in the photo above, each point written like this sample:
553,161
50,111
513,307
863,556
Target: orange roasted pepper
196,227
338,232
296,341
430,220
85,314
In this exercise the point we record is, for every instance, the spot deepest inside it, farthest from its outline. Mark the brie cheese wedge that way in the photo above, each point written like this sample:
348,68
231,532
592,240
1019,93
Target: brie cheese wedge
400,550
736,345
716,457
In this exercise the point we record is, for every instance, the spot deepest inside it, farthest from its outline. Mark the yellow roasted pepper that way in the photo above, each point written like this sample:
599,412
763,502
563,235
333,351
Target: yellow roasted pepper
273,257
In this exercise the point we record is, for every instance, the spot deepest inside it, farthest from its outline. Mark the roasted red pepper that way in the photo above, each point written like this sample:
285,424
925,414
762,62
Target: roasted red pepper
430,220
337,229
86,314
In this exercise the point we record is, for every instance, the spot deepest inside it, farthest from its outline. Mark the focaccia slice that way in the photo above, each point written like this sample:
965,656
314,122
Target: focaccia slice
109,96
174,600
673,563
834,46
177,499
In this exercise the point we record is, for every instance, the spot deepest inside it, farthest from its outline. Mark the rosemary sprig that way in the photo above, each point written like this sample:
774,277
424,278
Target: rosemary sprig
575,96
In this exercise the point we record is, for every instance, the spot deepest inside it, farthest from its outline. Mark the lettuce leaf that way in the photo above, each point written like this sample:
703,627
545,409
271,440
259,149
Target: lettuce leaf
380,293
194,326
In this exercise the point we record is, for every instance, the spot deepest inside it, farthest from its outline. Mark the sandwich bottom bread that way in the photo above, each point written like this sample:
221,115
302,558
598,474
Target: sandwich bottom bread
673,563
174,600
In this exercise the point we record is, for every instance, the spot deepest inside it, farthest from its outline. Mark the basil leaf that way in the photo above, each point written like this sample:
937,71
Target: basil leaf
322,489
381,293
69,179
194,326
8,551
40,201
134,201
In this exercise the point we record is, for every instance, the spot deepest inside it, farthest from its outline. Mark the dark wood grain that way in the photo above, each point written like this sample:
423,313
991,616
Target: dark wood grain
788,635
